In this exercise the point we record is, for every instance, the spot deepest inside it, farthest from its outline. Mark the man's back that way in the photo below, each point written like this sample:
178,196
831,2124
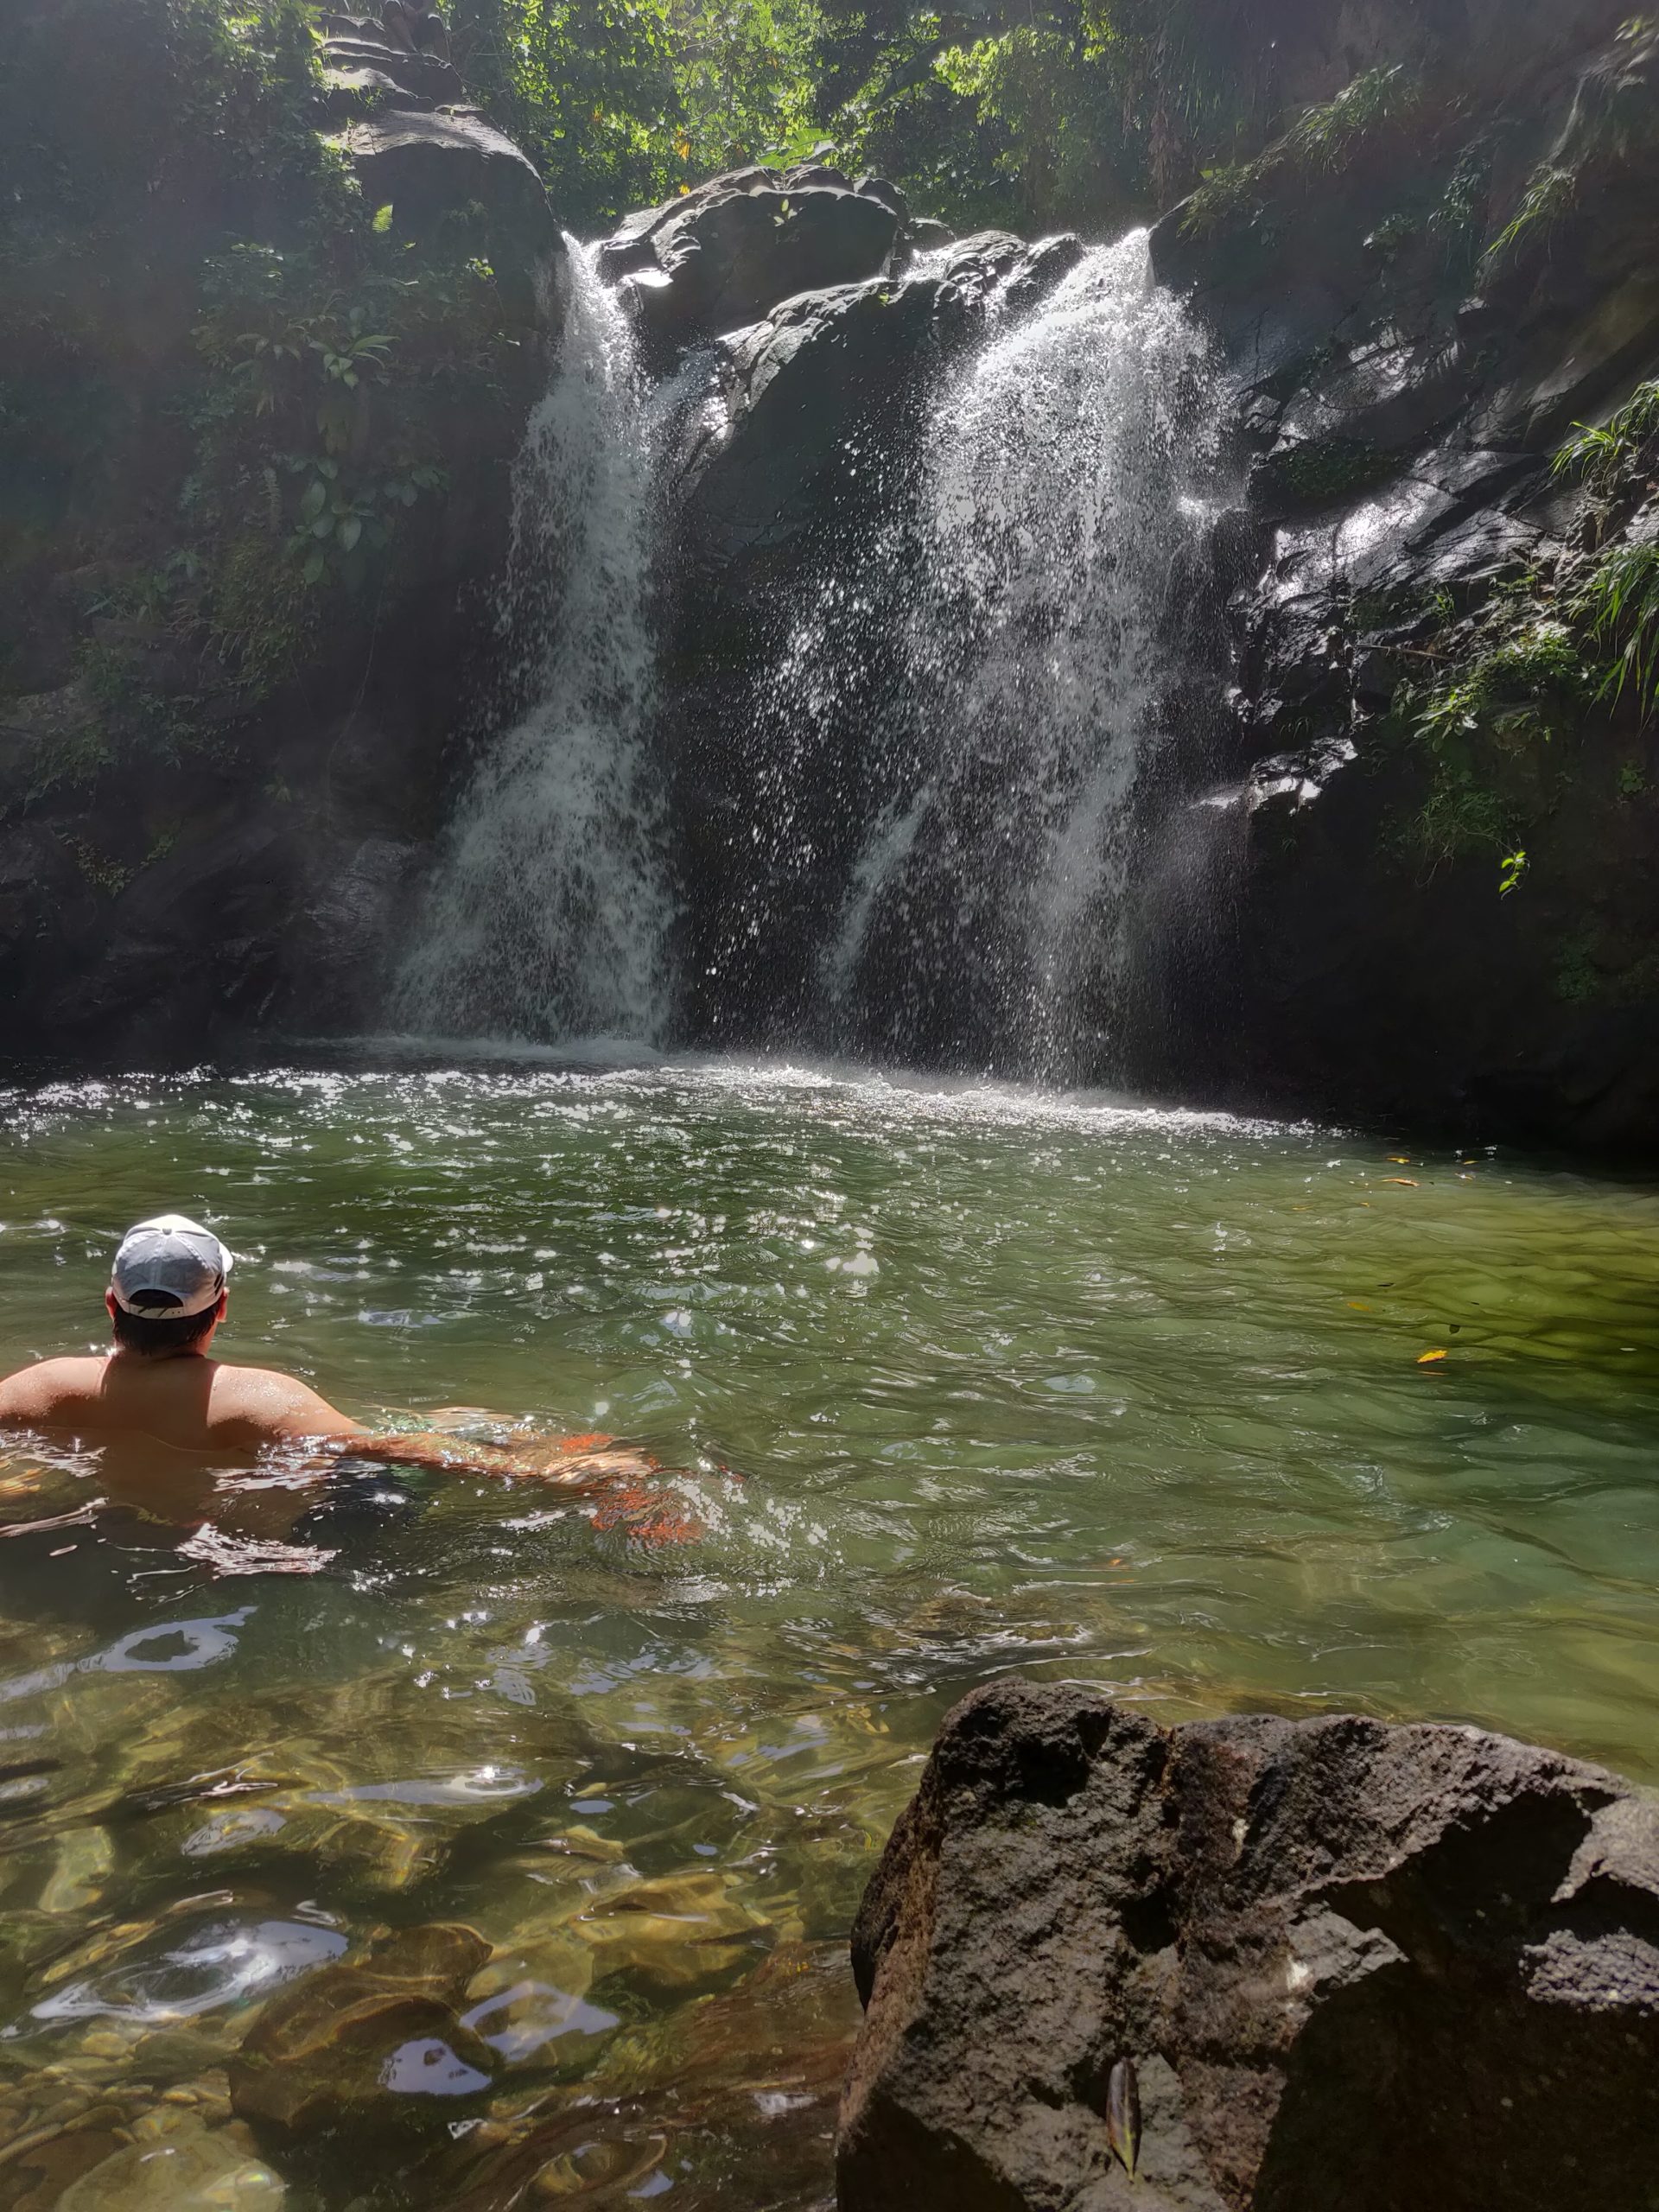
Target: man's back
194,1404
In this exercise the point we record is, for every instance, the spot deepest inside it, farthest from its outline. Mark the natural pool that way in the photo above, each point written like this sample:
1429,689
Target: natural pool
1012,1382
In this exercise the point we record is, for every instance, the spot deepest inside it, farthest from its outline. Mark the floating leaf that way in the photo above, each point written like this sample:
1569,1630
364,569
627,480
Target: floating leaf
1405,1182
1359,1306
1123,2115
1427,1358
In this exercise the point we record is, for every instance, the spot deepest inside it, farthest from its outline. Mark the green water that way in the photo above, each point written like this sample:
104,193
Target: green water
1011,1383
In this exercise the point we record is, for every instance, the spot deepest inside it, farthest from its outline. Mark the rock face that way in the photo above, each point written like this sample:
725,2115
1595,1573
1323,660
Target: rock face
1356,1966
1408,349
826,370
720,257
419,147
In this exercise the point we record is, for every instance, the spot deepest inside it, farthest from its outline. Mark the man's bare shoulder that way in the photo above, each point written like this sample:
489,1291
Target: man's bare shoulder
263,1405
51,1388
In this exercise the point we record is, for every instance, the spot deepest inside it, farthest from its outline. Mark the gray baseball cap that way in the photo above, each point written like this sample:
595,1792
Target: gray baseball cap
169,1268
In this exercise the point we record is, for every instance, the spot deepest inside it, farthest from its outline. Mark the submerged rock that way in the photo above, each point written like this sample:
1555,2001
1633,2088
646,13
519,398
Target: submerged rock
195,2171
368,2050
1351,1964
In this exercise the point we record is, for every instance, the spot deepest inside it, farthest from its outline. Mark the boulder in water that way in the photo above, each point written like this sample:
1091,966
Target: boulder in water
1378,1967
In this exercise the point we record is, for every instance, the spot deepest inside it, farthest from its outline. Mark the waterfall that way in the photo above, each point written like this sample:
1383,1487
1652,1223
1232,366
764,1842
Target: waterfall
551,912
1050,596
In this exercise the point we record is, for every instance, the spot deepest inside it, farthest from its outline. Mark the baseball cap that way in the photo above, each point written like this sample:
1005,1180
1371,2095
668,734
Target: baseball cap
169,1268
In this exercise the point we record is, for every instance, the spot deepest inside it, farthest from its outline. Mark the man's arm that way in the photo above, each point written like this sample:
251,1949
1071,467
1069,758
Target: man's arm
454,1456
277,1409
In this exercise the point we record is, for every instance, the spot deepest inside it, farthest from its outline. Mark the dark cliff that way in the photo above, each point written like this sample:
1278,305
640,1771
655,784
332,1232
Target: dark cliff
271,338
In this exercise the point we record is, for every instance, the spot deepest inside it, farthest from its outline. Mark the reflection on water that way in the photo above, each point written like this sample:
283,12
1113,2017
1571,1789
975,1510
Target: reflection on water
1009,1383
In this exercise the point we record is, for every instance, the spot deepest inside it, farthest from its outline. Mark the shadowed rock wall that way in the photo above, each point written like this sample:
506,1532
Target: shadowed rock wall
1413,326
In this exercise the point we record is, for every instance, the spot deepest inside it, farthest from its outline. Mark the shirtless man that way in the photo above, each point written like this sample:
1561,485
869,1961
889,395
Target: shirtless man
159,1388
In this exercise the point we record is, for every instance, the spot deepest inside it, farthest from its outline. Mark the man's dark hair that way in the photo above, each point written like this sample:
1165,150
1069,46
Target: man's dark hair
160,1333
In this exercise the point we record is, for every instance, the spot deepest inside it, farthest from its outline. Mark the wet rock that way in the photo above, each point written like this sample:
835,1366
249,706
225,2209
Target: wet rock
368,2050
1564,374
824,380
717,259
206,917
355,47
1356,1965
344,936
43,2165
927,234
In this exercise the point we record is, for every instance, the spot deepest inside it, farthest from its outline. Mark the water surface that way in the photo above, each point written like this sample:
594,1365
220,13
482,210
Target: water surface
963,1381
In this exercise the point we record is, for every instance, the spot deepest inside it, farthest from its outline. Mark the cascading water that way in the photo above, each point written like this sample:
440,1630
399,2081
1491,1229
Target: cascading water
962,754
1060,534
955,762
551,913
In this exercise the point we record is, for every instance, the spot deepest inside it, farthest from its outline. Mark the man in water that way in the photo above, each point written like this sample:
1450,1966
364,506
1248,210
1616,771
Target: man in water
169,1418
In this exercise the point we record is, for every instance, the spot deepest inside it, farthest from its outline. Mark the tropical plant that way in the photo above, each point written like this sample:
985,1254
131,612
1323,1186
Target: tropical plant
1604,454
1620,603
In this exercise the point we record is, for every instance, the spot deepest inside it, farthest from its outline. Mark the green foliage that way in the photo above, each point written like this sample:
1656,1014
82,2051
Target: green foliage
1488,730
1324,140
1620,603
332,370
265,617
622,102
1226,201
1551,192
1321,142
1611,124
1499,726
1605,455
215,353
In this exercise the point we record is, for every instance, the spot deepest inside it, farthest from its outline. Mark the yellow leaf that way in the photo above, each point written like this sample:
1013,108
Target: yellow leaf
1405,1182
1399,1159
684,188
1427,1358
1359,1306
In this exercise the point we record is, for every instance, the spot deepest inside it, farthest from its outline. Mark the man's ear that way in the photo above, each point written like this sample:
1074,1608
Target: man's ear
109,1305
